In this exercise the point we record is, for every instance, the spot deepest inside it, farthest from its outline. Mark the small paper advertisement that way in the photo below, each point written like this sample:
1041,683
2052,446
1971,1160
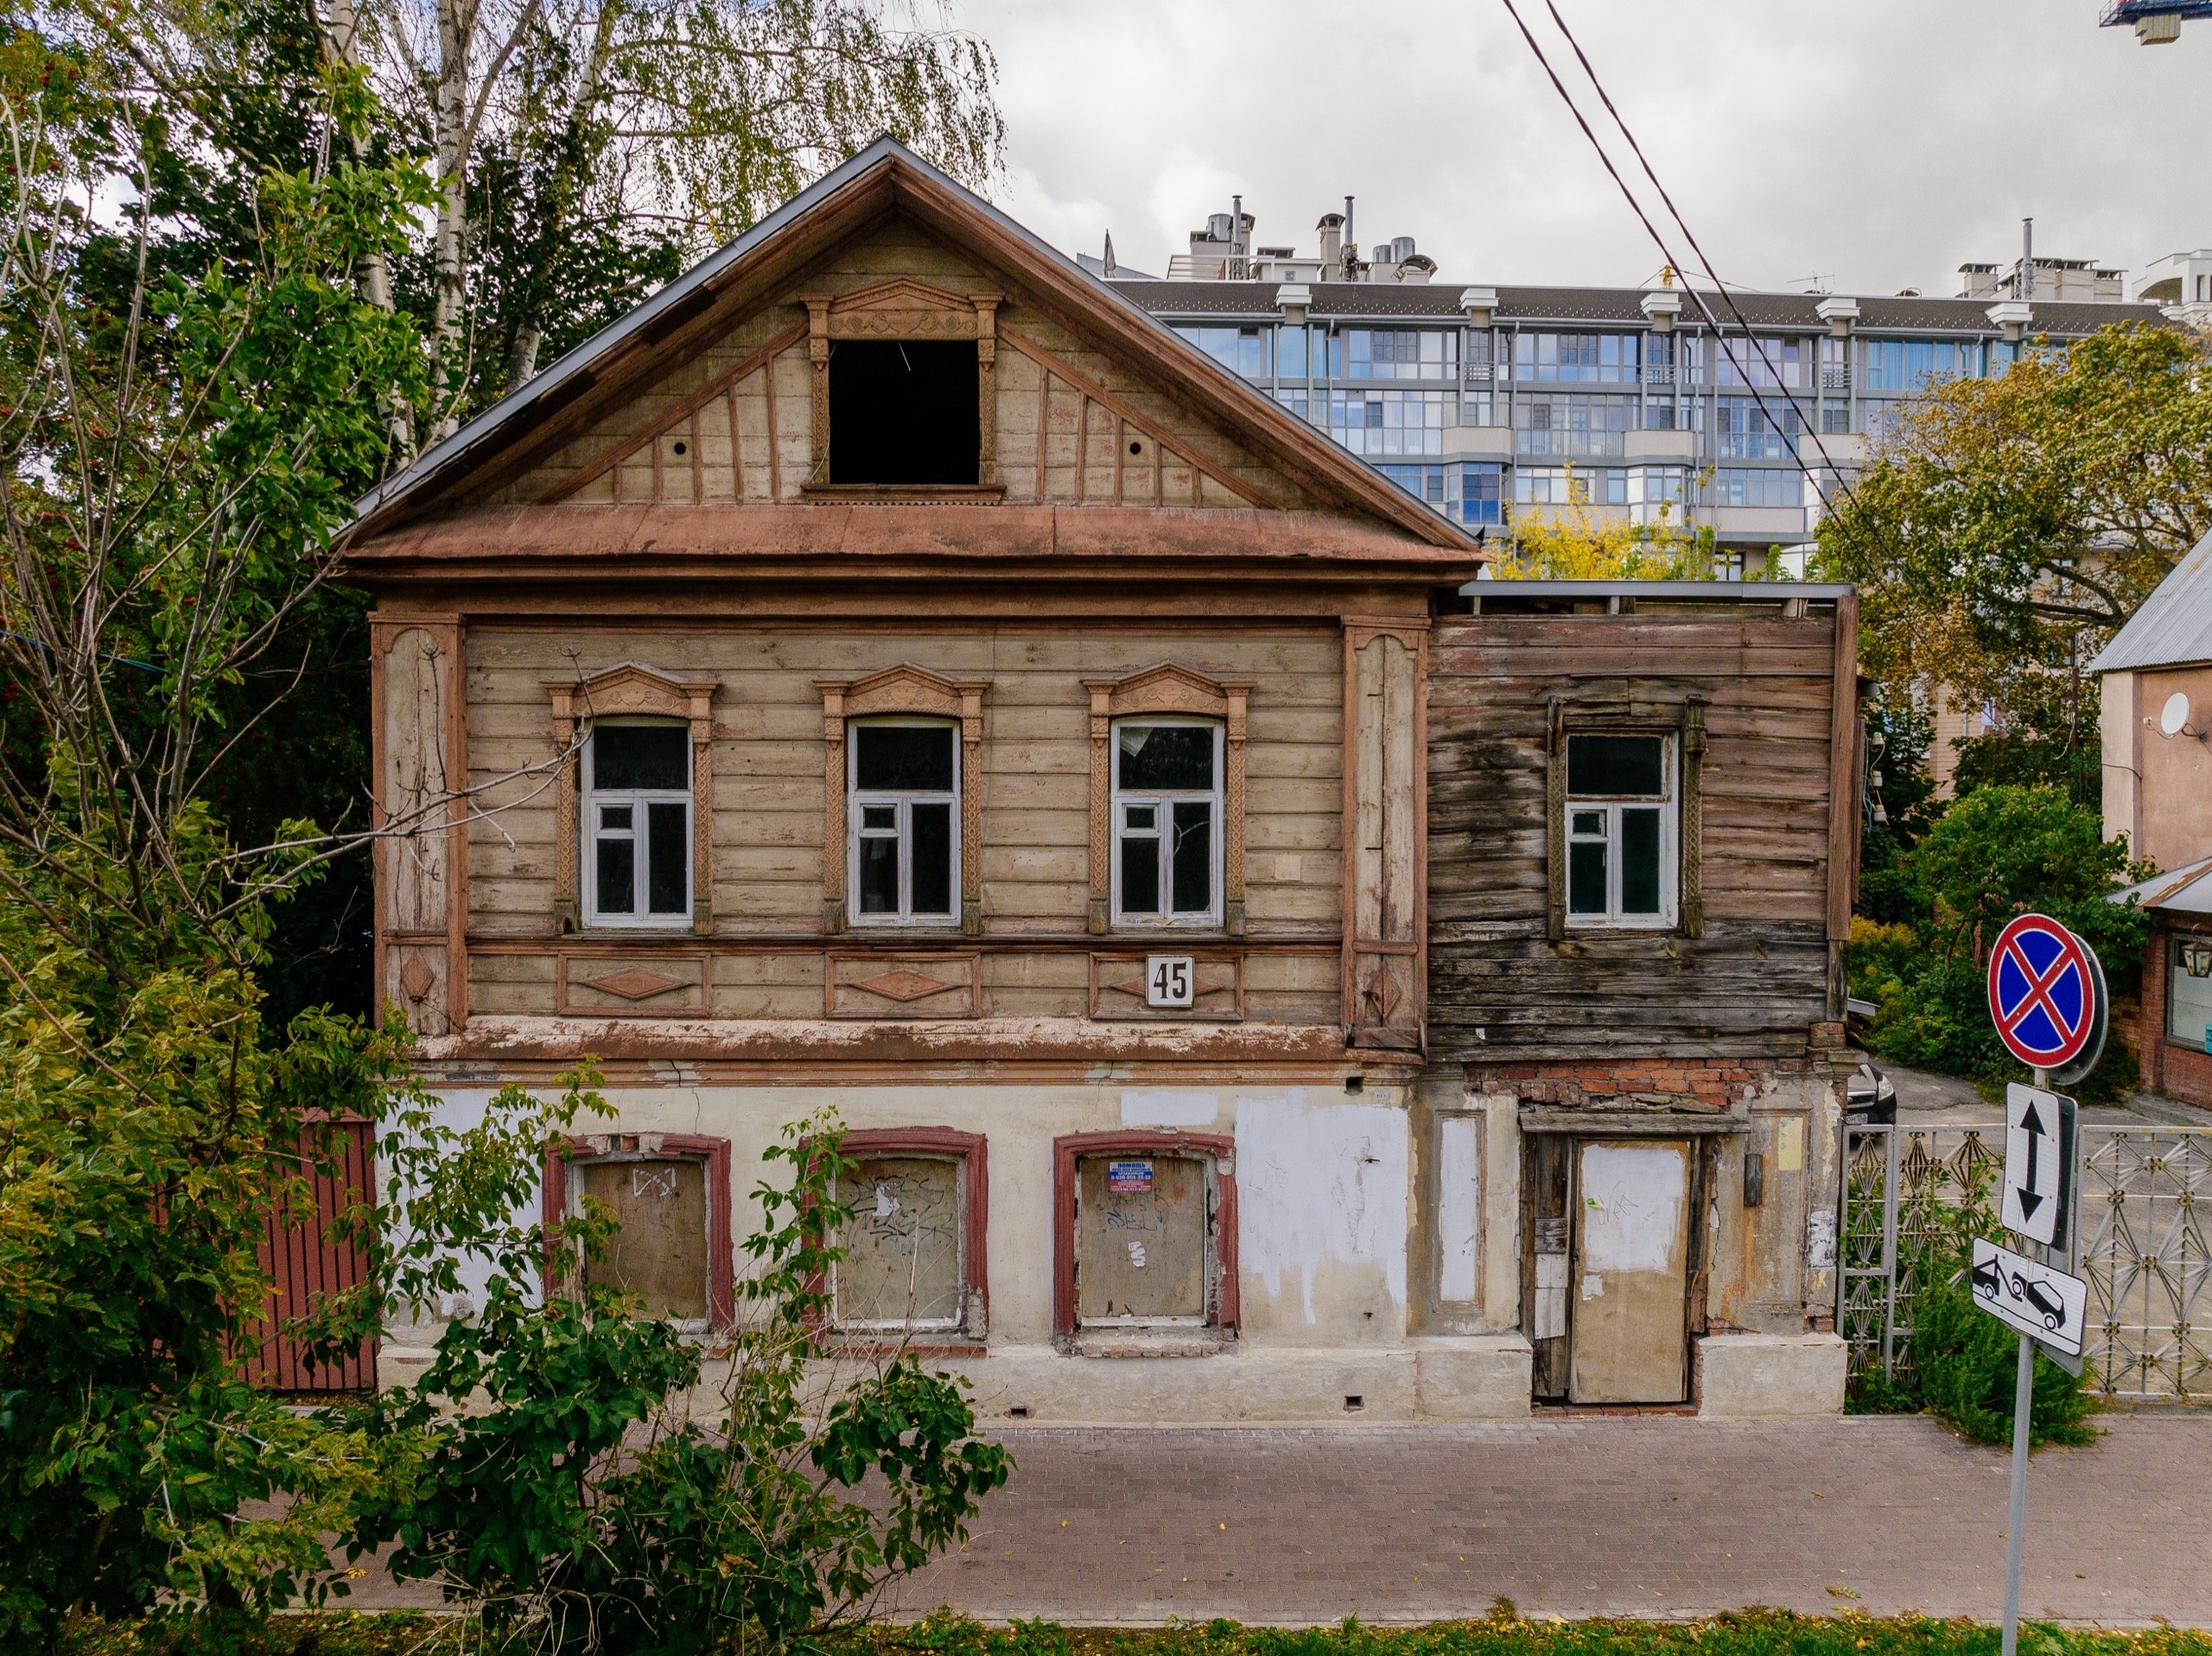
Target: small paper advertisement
1129,1178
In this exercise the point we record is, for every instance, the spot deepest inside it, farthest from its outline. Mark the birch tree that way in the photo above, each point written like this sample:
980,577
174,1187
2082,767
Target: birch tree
580,150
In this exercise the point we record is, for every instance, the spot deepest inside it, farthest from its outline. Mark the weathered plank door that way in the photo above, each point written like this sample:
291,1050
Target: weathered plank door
1630,1280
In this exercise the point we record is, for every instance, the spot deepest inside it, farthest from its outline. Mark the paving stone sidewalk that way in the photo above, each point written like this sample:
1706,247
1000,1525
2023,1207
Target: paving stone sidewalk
1583,1516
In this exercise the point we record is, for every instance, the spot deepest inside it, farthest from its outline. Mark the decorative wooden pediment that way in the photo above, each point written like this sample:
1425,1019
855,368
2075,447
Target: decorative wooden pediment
902,309
903,689
634,690
1168,689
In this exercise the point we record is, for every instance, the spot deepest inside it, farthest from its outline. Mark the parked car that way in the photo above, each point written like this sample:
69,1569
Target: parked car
1870,1098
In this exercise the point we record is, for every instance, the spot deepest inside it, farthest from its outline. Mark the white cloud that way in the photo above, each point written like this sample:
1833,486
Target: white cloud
1882,144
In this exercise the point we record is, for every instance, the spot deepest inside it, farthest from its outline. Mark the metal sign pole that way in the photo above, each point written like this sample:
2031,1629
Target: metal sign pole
2024,1389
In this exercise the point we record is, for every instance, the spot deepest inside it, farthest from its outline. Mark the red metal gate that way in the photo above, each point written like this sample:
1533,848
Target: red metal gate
305,1264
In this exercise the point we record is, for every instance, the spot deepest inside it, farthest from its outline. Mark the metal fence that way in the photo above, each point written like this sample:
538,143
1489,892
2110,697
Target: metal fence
2145,1212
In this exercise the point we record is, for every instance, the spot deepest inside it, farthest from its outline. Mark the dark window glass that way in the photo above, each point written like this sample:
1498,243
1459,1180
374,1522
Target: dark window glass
1589,822
1585,878
614,817
618,873
640,756
904,411
1193,820
667,886
879,876
1166,755
882,818
905,757
1600,765
1141,876
932,863
1640,862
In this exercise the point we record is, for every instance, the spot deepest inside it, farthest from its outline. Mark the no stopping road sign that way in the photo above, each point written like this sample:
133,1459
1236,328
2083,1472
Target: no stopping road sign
2042,991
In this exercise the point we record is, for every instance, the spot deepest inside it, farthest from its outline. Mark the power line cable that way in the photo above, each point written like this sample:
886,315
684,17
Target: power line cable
1652,230
1690,236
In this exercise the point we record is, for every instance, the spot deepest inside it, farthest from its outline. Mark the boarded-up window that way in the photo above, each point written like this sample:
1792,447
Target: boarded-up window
660,1253
902,1266
1143,1240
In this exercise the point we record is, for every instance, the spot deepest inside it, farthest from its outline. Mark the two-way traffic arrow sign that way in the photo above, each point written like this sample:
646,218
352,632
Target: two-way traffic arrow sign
2038,1162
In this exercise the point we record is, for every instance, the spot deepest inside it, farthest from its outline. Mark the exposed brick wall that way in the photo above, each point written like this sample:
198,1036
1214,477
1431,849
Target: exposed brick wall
1707,1084
2152,1026
2189,1074
2174,1068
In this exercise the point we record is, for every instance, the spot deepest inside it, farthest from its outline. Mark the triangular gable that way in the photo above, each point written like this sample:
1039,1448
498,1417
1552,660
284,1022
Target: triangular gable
1074,324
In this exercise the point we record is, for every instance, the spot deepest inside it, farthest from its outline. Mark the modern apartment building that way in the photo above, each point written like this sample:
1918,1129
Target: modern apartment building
1491,402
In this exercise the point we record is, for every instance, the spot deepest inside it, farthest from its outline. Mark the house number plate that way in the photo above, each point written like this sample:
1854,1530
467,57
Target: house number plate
1167,980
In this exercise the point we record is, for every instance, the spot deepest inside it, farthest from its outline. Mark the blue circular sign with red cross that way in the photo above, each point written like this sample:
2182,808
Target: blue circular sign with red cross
2042,991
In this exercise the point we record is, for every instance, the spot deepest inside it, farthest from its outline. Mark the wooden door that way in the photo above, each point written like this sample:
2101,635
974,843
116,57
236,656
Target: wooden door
1629,1293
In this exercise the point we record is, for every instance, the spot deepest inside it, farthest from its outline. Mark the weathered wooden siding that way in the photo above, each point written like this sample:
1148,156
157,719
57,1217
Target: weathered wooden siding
1752,985
1057,399
766,954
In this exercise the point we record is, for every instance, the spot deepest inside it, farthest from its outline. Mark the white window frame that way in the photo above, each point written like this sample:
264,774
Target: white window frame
903,801
1670,817
916,1324
639,798
1165,800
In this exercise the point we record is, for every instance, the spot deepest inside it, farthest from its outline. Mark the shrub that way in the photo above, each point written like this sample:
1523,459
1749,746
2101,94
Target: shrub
1969,1369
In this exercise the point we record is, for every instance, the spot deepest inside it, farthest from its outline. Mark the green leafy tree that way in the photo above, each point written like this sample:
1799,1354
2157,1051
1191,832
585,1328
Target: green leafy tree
584,1501
2009,525
1997,853
180,428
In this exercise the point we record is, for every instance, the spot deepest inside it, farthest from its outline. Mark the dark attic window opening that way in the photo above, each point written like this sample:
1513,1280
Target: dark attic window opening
903,412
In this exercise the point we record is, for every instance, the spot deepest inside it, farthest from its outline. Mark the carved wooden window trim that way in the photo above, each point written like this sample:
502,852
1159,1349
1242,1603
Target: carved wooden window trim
911,690
1169,690
1621,714
902,309
630,690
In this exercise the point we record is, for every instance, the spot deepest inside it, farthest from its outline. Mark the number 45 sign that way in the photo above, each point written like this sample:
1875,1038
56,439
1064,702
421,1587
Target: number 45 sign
1168,981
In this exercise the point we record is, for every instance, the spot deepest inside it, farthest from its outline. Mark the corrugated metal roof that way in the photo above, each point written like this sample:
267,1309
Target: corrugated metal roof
1256,301
2182,889
2175,624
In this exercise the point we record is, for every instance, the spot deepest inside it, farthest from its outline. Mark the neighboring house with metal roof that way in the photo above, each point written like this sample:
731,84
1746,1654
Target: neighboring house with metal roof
2157,705
2175,1034
2156,710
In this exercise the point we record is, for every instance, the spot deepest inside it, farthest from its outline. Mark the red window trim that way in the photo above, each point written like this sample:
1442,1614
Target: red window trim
1221,1147
721,1260
972,1148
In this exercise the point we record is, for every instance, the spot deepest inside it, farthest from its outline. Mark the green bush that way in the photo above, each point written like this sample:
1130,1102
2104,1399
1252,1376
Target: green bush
1969,1370
1996,854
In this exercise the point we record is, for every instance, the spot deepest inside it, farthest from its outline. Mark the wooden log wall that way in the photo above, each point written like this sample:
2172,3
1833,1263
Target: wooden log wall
1759,976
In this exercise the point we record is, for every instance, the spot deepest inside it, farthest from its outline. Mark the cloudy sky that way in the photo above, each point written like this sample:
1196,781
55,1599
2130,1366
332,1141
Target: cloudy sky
1876,144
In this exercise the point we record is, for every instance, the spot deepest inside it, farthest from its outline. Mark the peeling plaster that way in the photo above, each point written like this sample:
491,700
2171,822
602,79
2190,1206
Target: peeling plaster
1320,1185
1170,1109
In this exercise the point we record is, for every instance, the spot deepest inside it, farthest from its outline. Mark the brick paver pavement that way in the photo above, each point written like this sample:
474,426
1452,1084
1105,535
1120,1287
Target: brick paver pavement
1582,1516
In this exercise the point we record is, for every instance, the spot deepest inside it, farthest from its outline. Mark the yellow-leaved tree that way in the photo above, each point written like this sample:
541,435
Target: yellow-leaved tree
1571,544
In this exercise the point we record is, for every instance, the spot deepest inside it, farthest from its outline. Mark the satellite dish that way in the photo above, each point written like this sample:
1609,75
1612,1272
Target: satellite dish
2174,716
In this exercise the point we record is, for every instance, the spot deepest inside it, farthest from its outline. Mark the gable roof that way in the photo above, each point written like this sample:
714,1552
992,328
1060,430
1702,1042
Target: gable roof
885,178
2174,626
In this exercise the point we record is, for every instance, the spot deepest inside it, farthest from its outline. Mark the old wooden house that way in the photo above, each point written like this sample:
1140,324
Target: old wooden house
1643,835
889,673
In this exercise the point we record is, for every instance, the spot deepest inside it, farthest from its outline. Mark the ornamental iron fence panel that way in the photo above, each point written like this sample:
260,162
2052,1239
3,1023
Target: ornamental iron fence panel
2142,1247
